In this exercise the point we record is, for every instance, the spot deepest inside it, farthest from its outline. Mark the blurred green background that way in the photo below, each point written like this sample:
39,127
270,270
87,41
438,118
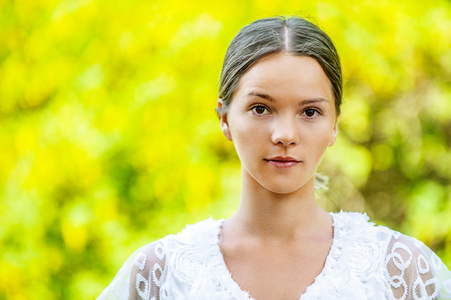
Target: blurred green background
109,139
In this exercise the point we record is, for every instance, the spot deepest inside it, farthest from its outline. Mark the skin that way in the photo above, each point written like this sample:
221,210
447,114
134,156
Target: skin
281,120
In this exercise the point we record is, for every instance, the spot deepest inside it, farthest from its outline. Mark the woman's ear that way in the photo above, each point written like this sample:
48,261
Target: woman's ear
334,135
223,120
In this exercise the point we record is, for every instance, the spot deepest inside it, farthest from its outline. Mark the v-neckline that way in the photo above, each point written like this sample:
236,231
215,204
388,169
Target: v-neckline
233,286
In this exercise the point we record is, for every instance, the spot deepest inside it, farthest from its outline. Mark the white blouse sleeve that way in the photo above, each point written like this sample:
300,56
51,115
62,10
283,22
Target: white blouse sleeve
414,271
140,276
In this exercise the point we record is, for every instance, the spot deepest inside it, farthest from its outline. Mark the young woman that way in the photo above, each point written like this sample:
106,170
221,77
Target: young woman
280,96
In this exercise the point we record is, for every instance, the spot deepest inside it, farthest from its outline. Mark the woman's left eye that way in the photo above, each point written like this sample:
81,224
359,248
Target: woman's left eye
259,110
310,113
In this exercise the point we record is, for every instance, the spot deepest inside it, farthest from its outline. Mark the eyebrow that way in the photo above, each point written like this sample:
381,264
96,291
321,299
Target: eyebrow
303,102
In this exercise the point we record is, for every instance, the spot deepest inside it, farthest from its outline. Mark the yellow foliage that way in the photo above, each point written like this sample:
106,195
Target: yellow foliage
109,138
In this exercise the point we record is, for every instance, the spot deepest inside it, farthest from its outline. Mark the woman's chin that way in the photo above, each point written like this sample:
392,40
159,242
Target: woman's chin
287,189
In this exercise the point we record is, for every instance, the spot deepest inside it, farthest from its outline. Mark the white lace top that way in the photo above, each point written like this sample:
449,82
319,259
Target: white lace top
364,262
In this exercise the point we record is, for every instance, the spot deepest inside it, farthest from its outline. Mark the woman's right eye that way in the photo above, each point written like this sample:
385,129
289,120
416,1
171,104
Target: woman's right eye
259,110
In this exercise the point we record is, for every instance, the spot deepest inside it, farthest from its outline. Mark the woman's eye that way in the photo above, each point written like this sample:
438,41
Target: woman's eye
310,113
259,110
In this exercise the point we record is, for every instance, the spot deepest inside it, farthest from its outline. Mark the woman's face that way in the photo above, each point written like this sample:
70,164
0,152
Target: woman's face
281,119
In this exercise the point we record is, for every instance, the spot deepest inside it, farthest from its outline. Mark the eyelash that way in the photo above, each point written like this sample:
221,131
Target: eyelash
315,111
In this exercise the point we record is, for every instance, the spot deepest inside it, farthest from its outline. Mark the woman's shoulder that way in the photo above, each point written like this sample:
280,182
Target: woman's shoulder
198,233
410,268
195,234
356,226
143,274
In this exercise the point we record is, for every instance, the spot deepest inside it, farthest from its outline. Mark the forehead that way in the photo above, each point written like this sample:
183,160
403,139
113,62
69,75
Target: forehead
284,74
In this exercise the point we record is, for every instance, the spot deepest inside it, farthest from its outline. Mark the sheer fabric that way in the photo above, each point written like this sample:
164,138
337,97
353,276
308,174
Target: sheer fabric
364,262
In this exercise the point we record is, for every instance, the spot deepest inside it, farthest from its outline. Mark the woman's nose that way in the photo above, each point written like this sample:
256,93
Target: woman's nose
284,132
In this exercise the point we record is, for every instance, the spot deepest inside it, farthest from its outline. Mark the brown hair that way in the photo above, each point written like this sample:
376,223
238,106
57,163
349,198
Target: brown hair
271,35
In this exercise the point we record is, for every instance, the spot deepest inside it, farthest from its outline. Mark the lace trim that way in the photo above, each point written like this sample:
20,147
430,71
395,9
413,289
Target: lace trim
332,257
230,285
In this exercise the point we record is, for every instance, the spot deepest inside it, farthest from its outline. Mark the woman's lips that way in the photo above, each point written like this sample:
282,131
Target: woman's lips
282,162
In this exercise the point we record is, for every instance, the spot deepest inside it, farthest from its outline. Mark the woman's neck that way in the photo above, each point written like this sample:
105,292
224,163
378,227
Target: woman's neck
279,217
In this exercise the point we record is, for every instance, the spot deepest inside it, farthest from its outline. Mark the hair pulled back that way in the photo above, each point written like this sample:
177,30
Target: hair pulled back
271,35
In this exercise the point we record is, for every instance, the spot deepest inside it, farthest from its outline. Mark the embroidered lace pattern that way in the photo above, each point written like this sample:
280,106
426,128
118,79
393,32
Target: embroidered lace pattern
364,262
